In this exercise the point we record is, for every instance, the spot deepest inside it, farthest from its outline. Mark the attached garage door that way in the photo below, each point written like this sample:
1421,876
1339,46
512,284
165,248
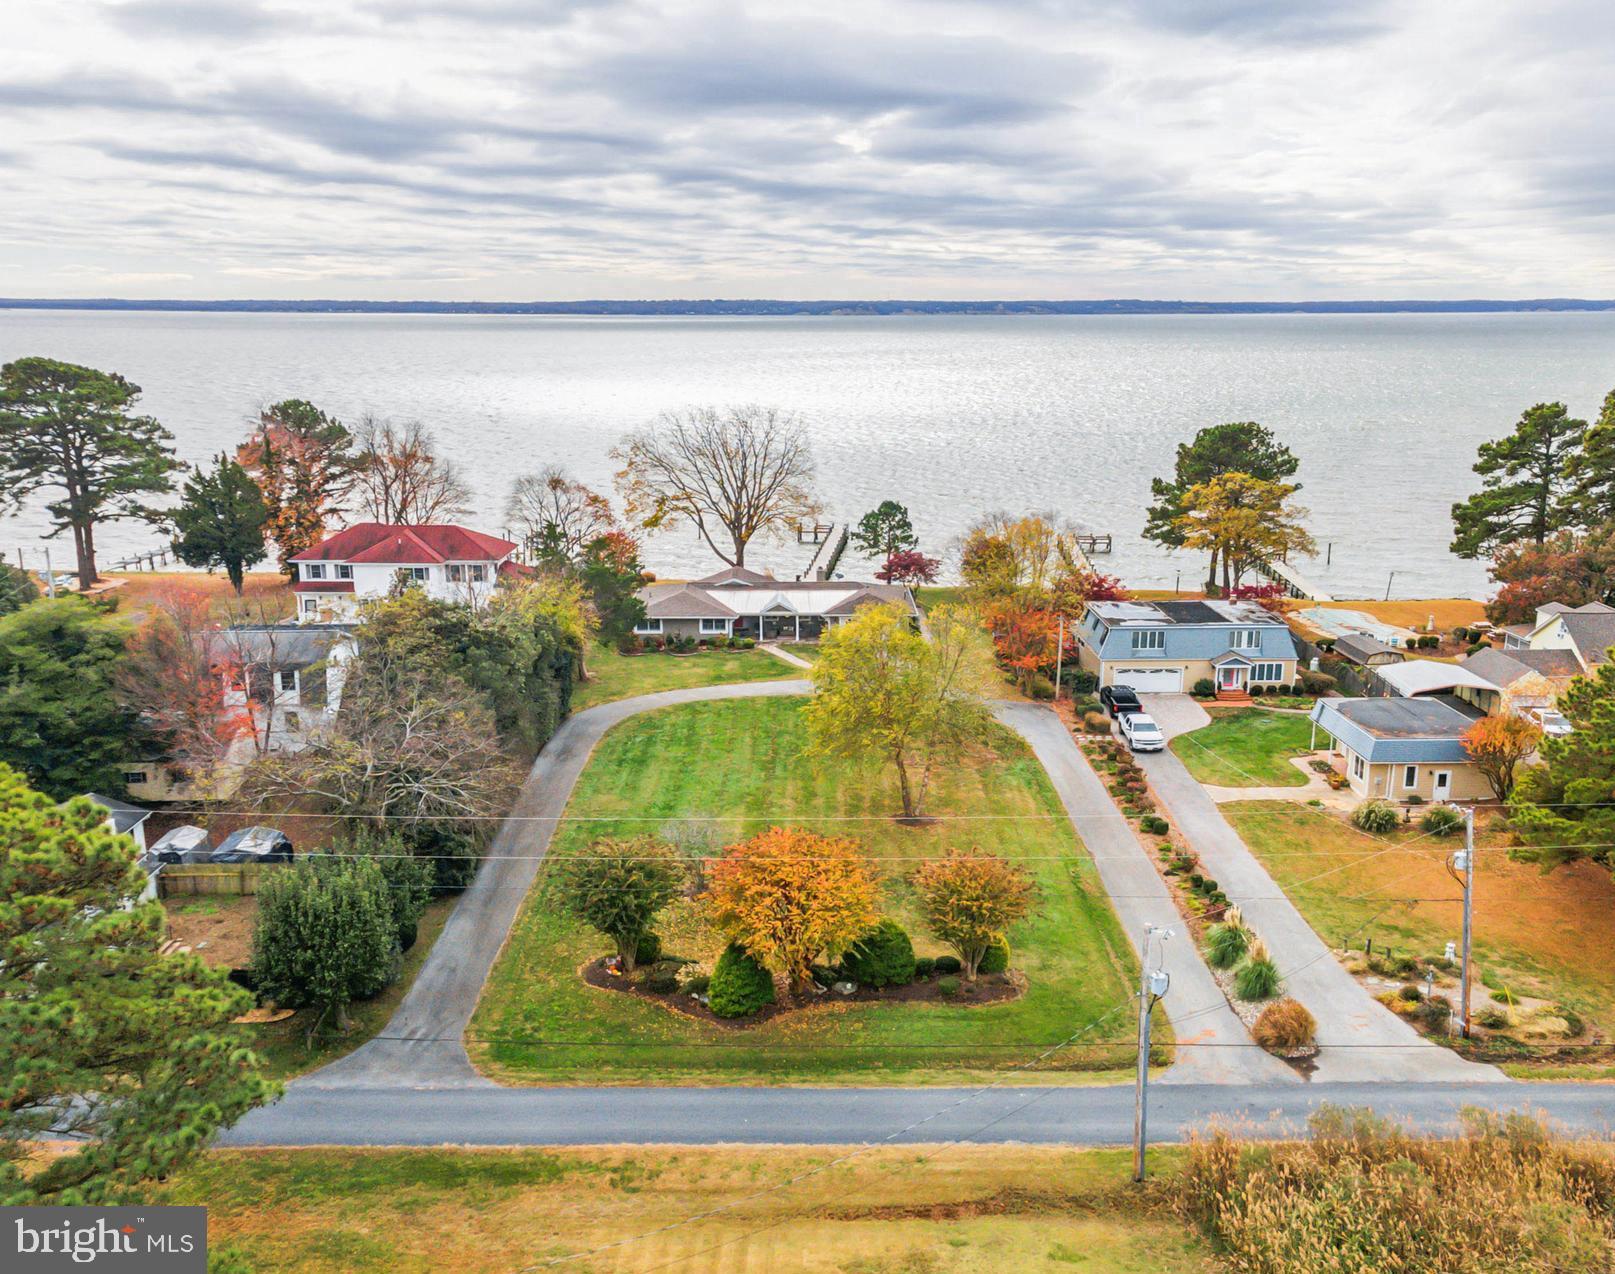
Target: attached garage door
1150,680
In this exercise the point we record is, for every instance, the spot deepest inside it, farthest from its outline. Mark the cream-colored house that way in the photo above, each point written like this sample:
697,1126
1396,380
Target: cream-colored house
1587,632
1396,749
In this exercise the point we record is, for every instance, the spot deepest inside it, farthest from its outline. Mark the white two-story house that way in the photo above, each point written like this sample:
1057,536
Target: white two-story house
451,563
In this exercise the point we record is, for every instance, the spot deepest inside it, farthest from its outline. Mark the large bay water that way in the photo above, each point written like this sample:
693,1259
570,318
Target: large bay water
952,416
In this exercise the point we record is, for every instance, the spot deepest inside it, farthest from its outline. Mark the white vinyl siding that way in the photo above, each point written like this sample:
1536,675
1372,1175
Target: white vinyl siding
1149,639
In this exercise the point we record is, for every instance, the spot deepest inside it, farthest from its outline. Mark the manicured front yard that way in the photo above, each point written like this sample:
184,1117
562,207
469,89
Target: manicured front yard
614,676
1539,935
737,767
899,1210
1246,747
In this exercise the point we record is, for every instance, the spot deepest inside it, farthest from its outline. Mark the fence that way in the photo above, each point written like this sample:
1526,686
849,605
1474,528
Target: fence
1352,680
210,879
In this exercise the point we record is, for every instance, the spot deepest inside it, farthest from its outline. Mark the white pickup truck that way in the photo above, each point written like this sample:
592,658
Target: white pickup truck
1141,732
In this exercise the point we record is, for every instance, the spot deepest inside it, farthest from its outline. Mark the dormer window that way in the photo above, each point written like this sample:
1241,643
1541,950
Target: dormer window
1247,638
1149,639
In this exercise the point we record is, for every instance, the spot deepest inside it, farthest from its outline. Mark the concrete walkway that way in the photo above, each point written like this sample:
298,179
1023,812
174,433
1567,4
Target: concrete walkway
1359,1038
1316,788
1222,1050
796,661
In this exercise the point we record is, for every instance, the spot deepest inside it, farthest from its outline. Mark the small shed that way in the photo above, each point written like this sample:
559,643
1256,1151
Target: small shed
1366,652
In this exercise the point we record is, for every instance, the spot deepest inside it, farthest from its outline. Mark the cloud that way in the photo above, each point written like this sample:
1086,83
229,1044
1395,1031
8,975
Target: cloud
193,19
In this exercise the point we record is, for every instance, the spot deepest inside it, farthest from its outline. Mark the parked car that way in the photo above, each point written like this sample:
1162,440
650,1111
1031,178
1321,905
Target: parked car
184,844
1120,700
253,845
1141,732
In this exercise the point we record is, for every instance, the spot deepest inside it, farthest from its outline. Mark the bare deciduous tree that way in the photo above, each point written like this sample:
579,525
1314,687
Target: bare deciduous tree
400,480
554,513
734,473
404,748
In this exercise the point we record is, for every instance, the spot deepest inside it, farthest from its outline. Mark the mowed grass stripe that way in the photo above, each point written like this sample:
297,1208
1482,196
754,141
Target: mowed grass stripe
743,762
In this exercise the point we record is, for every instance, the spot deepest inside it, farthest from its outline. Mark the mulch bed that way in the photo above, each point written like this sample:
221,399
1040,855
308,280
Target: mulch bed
988,988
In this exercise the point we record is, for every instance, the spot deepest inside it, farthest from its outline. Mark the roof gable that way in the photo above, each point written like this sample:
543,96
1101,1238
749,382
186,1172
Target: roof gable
392,544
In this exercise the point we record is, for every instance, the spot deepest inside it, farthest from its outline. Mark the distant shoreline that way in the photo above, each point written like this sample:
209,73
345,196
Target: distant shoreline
829,309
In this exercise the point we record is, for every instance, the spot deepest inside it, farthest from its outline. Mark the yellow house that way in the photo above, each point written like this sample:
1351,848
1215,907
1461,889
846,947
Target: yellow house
1396,749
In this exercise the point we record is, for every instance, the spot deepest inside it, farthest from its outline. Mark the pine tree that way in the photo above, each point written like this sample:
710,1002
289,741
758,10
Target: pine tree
1591,471
885,530
1561,810
1523,484
102,1040
70,427
221,522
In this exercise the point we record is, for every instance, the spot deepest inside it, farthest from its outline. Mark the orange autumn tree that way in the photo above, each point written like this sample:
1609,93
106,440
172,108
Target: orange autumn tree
302,461
970,901
1497,745
789,895
1026,641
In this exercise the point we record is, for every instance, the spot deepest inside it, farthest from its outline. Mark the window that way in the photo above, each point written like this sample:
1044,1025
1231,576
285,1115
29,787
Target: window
648,626
1149,639
478,573
1247,638
344,571
313,570
288,680
415,574
1357,767
1267,672
310,606
455,574
1410,776
714,625
131,777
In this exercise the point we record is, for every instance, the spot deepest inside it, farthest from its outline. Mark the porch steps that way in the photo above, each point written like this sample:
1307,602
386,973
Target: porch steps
1236,698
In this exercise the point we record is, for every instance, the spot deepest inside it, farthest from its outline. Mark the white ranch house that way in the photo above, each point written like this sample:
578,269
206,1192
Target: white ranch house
742,603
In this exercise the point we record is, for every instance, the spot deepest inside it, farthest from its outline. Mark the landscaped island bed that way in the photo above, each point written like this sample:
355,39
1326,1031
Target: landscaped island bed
1538,936
733,768
1246,747
940,1210
613,676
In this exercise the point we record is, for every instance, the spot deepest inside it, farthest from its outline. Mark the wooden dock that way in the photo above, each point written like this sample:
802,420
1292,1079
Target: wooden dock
1294,583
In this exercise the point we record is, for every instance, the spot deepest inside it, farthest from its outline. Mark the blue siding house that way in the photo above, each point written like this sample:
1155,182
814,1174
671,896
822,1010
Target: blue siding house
1165,647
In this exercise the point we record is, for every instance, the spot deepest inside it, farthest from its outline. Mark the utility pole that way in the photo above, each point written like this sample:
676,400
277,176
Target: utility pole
50,576
1388,582
1059,659
1152,985
1464,861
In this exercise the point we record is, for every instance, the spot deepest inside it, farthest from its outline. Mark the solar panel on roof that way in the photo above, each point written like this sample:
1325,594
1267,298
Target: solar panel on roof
1191,613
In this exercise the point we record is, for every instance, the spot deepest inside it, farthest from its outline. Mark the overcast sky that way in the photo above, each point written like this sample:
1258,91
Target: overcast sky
537,149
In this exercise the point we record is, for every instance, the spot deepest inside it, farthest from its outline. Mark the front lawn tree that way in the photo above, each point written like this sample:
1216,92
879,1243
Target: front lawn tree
618,887
881,690
885,530
734,474
221,520
62,723
326,936
303,464
72,429
789,895
970,901
1498,745
1242,520
1563,810
1524,484
123,1054
1241,446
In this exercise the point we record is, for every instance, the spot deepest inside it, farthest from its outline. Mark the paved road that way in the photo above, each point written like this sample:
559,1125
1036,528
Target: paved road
902,1116
1195,1005
1347,1014
422,1045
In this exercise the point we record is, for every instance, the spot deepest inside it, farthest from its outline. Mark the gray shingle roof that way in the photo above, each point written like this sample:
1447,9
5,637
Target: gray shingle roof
680,601
1505,667
1360,648
1593,633
279,645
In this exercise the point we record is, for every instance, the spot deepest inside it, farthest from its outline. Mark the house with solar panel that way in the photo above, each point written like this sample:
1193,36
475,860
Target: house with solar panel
451,563
1166,647
737,602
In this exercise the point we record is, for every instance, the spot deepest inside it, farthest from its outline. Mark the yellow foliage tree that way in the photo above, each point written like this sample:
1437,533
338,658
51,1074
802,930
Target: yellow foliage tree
970,900
881,689
1244,520
1497,746
788,895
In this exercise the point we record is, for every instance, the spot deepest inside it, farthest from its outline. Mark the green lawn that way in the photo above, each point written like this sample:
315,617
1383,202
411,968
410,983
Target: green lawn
740,762
1246,747
282,1044
1541,935
614,676
886,1210
929,596
808,650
